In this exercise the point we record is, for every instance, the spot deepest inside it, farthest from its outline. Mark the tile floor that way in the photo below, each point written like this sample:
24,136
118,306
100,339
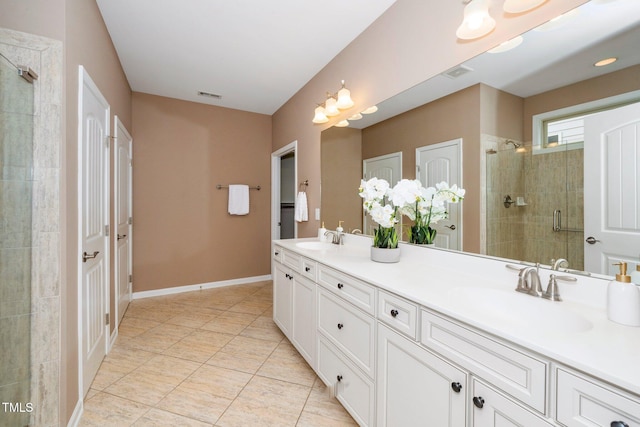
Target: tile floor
207,358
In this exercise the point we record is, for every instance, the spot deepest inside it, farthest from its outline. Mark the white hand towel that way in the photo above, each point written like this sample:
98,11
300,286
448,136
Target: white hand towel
302,211
238,199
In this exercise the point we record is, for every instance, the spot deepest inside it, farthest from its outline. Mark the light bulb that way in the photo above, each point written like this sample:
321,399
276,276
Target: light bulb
344,98
330,107
319,116
477,22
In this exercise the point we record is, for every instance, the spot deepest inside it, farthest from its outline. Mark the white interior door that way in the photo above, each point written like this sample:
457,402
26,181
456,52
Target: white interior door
122,198
434,164
387,167
93,193
612,170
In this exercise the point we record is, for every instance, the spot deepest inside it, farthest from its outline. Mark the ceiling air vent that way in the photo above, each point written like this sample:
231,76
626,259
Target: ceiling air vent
209,95
456,72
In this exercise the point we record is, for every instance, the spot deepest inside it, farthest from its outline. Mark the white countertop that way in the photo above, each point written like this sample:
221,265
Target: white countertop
440,280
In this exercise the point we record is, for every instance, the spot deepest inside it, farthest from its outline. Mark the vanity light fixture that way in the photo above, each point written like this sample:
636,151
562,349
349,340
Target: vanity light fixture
342,124
320,116
344,98
332,105
606,61
370,110
521,6
508,45
477,22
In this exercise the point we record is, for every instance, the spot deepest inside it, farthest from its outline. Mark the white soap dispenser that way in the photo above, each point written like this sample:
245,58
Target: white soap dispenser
623,299
321,232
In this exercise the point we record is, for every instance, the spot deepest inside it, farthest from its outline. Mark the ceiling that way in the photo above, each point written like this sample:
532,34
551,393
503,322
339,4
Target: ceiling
548,58
255,54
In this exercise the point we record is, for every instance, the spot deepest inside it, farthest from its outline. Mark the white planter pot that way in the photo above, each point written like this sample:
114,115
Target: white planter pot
385,254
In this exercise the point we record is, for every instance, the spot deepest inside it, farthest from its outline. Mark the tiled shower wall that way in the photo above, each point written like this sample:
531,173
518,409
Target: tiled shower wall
35,231
546,182
16,163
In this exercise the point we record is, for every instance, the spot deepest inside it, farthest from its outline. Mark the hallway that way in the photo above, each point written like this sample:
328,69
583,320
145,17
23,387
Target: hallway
207,358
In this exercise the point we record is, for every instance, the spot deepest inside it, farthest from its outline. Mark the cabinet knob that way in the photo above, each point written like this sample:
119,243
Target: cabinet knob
340,286
478,401
619,424
394,312
307,269
339,378
456,387
340,326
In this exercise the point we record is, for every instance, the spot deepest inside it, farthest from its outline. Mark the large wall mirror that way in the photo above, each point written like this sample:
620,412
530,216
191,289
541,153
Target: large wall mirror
524,118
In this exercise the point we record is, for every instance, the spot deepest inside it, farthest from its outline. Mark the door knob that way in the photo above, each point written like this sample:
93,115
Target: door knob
452,226
86,256
121,236
592,240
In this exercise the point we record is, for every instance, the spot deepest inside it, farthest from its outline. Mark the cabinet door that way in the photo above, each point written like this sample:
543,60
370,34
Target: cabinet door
415,387
584,402
304,318
492,409
282,298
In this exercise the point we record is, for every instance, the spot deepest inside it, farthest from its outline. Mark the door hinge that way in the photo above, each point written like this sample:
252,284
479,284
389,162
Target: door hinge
106,230
130,278
418,168
130,221
106,318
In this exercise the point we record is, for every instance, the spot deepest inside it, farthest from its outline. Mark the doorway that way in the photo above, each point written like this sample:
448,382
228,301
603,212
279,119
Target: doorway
284,175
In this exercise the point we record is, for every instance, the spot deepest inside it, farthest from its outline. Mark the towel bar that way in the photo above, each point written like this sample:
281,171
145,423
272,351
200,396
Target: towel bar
226,186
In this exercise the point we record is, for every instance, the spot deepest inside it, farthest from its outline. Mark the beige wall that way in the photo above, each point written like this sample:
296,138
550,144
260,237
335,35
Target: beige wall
40,17
183,233
341,162
395,53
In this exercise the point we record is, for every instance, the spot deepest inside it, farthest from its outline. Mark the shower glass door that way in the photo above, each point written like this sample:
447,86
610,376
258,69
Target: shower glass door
16,168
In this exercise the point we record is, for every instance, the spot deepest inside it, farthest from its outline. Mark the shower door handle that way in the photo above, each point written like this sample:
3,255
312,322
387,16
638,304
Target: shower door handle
86,256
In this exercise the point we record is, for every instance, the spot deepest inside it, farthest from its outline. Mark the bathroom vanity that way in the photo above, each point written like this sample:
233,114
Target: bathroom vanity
442,339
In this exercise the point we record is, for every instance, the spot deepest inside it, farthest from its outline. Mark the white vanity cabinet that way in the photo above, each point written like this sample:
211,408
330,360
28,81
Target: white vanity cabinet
583,401
294,301
416,387
491,408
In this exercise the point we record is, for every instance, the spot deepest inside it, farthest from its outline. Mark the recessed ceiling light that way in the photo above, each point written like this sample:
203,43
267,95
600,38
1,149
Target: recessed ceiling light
370,110
342,124
604,62
356,116
558,21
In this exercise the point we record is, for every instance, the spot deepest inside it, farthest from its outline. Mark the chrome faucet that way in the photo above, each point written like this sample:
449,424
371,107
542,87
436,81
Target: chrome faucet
557,264
356,231
529,281
337,238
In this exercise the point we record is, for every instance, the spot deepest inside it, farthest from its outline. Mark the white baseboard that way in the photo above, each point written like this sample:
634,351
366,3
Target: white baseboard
74,421
114,336
190,288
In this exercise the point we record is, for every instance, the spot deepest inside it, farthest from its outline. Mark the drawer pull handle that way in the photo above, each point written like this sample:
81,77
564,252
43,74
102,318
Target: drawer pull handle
394,312
339,378
340,326
456,387
619,424
478,401
307,269
340,286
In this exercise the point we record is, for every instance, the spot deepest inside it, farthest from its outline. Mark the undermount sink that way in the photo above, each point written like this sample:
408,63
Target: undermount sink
315,246
519,311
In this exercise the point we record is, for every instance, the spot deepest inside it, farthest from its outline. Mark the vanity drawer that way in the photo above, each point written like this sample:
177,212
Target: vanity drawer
584,402
514,371
309,268
351,289
398,313
278,253
353,389
292,259
350,329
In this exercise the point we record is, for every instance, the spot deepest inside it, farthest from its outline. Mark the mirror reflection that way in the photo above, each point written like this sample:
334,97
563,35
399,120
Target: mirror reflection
514,115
